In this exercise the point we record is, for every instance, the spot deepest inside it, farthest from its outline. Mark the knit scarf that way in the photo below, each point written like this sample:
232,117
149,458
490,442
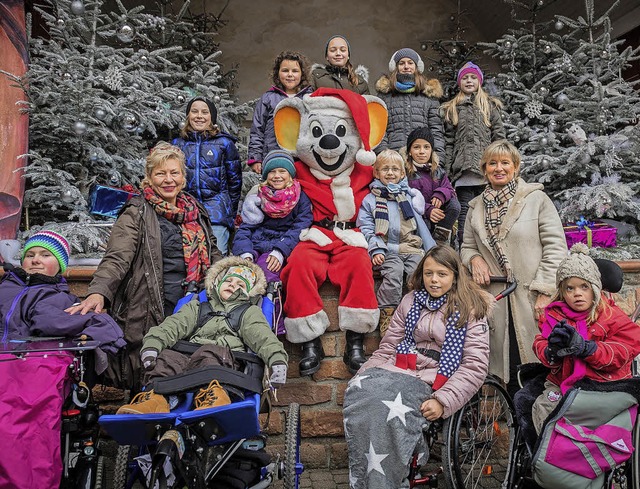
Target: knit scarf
454,337
496,205
580,320
397,192
194,242
405,83
279,203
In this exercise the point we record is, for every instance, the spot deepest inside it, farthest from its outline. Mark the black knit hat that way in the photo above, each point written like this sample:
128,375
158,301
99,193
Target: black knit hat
420,133
212,108
326,48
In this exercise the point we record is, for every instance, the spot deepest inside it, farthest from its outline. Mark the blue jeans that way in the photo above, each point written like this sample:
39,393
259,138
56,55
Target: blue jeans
222,238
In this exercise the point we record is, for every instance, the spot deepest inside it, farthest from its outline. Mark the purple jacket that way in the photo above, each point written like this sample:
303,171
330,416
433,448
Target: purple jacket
262,137
33,305
440,188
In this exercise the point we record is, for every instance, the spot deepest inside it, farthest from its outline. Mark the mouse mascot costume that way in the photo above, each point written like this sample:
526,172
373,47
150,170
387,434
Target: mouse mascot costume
332,133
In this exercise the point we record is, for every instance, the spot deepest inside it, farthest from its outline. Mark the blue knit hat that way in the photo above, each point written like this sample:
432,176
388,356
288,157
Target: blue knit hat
278,158
53,242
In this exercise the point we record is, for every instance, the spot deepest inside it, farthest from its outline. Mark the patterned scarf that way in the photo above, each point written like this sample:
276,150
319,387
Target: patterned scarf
194,243
397,192
452,347
279,203
496,205
405,83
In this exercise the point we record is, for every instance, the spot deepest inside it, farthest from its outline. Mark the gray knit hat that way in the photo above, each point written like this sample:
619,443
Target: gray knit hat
406,53
580,264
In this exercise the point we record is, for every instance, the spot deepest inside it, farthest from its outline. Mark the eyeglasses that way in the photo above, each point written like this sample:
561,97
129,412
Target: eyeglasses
392,169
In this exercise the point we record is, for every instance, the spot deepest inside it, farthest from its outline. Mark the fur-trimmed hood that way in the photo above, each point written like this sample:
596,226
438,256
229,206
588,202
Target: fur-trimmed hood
217,271
433,88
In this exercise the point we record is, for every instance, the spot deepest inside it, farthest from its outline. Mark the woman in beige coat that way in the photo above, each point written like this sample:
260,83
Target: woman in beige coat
513,229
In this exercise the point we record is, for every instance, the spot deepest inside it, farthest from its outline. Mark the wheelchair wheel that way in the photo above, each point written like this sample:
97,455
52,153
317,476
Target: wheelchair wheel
478,440
121,469
633,464
292,466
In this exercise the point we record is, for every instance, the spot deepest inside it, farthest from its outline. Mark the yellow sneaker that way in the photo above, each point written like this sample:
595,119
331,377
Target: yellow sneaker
145,403
211,396
386,313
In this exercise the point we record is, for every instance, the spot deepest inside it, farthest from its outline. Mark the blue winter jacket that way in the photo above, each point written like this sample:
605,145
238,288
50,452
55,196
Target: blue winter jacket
281,234
262,137
214,174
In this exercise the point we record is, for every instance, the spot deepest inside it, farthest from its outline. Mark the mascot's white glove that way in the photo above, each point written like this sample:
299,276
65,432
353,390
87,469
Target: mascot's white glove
149,358
351,237
251,212
417,201
315,235
278,375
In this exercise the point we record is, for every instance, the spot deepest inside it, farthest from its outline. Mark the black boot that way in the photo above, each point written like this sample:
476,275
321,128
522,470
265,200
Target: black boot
312,353
354,351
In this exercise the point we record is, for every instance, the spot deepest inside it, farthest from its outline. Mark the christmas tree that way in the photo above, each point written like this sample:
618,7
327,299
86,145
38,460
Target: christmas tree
103,89
572,115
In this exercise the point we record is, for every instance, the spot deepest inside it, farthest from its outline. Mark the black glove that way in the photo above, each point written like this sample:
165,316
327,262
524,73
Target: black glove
561,335
551,353
578,346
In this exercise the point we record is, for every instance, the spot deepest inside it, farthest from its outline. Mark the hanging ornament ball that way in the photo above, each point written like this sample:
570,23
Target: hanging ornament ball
93,156
143,59
216,99
507,44
544,141
77,7
180,99
540,3
423,46
516,138
100,114
129,122
585,158
509,83
544,91
60,23
547,48
559,25
67,196
182,124
79,128
454,51
126,33
194,42
546,162
135,85
562,99
605,54
66,76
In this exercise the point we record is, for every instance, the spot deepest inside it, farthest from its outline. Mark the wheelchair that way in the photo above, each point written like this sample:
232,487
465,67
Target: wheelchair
82,460
206,448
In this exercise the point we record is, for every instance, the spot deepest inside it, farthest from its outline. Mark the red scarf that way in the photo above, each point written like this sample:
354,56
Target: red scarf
194,242
279,203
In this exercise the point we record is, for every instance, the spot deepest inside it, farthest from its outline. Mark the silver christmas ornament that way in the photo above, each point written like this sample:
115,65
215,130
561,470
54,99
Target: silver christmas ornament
544,91
135,85
194,42
126,33
546,48
562,99
423,46
180,99
143,59
66,76
129,122
508,83
546,162
100,114
559,25
60,23
79,128
94,156
453,51
507,44
216,99
182,124
540,3
67,196
544,141
605,54
77,7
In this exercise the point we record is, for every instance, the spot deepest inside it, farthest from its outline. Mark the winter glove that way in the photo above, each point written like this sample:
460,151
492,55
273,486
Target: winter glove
578,346
278,375
561,335
551,353
148,358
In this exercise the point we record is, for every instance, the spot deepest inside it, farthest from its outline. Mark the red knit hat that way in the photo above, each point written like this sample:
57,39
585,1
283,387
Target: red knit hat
359,110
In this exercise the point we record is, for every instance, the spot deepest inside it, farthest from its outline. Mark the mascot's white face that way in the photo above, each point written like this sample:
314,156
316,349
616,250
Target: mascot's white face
322,133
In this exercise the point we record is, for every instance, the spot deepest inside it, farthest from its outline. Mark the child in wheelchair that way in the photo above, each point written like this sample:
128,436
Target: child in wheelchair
432,360
587,345
230,284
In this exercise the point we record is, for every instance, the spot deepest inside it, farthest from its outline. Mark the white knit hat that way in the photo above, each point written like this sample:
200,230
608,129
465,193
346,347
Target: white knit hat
580,264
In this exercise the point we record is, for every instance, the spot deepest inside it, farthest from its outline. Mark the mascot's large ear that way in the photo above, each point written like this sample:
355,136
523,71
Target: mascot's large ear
378,117
286,122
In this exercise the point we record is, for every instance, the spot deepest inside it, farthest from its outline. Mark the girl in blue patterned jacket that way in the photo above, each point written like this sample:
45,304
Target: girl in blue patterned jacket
214,171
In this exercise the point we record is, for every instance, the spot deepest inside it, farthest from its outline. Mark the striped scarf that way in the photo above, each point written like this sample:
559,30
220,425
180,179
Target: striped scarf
454,337
397,192
194,241
496,204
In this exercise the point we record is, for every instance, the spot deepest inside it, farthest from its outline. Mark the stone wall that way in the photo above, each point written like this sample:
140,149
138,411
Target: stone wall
321,397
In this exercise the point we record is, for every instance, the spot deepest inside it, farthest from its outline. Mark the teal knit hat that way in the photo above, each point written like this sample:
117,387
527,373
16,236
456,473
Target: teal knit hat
278,158
53,242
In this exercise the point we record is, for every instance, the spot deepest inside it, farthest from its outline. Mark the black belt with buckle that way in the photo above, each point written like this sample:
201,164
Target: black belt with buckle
428,352
330,224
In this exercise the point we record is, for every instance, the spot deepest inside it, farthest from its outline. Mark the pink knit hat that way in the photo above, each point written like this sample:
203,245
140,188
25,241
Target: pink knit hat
469,67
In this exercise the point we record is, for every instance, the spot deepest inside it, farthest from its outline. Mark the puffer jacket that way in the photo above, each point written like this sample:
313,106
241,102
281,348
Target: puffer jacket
617,339
328,76
410,110
429,333
214,174
129,277
281,234
439,187
466,142
262,137
254,331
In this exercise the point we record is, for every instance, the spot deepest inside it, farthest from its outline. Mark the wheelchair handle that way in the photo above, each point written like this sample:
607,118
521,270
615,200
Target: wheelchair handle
511,286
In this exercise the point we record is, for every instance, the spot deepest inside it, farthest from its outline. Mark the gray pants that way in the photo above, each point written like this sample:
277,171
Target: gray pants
544,404
393,271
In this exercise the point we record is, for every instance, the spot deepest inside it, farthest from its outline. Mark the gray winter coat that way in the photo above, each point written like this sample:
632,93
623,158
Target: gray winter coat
408,111
466,142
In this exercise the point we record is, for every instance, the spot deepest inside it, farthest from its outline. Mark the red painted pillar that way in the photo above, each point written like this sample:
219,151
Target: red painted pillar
14,127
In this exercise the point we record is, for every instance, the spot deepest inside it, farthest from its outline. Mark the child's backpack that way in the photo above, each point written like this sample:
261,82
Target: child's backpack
588,434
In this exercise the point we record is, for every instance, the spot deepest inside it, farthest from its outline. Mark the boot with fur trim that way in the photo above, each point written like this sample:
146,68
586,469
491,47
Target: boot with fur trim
386,313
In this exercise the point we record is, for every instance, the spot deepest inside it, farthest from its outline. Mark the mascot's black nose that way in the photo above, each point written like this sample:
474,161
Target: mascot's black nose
329,141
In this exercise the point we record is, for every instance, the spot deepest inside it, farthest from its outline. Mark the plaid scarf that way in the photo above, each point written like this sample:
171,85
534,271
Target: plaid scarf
279,203
454,337
397,192
194,243
496,204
